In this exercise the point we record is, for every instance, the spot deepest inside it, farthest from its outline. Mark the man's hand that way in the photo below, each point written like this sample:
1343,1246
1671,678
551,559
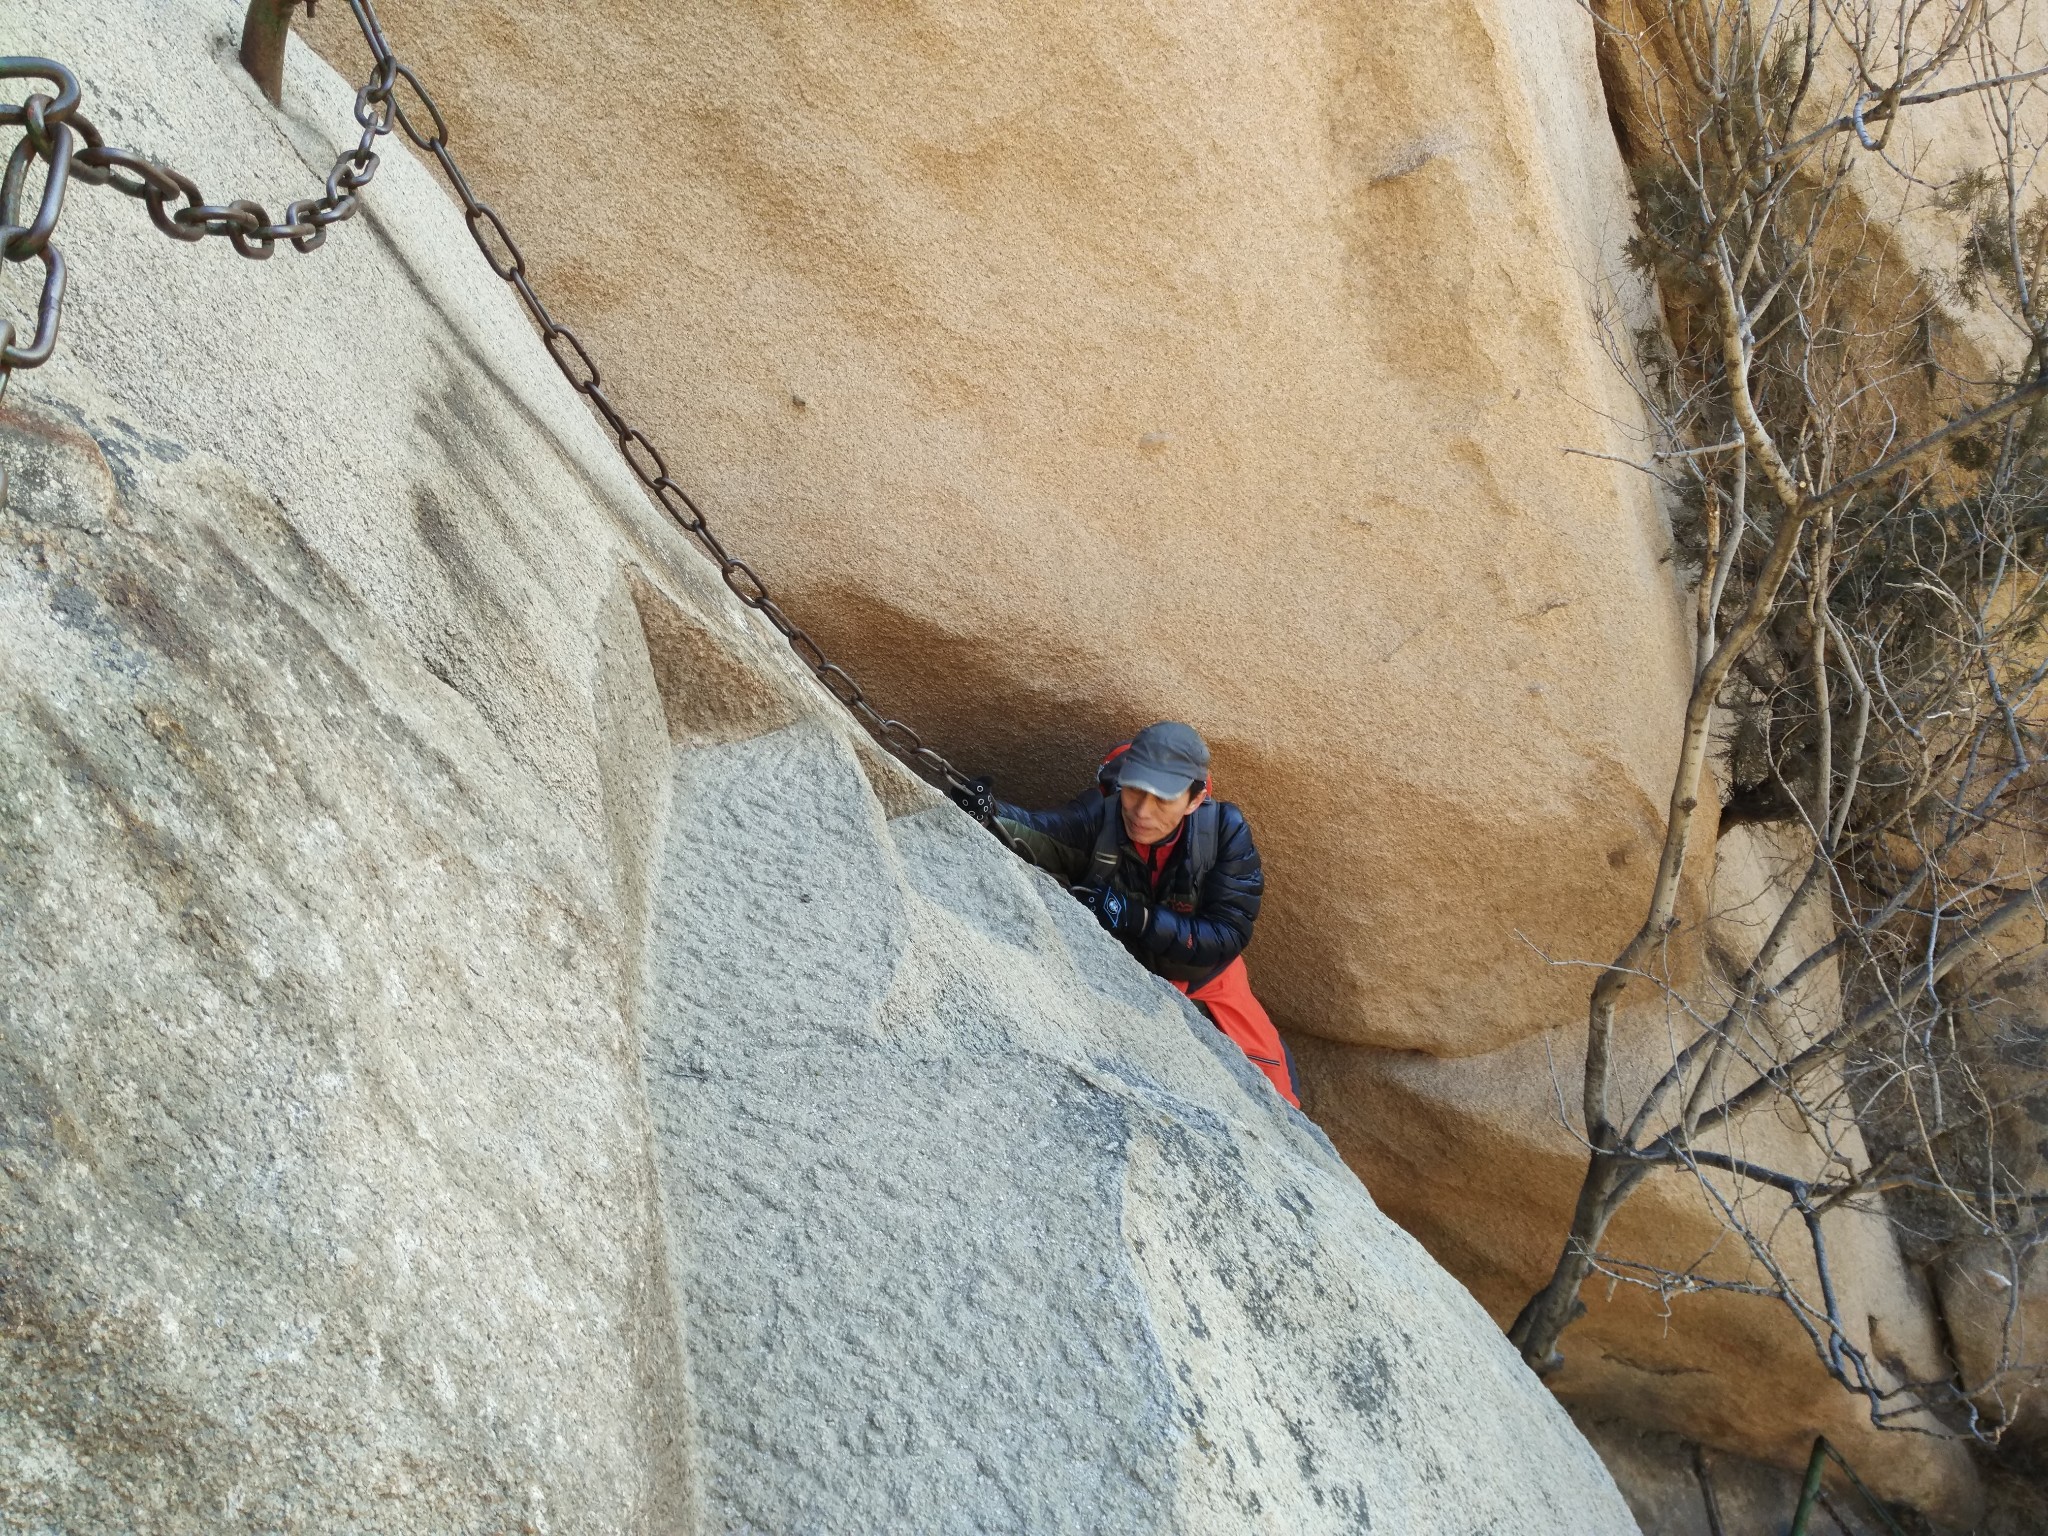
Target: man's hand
977,797
1122,914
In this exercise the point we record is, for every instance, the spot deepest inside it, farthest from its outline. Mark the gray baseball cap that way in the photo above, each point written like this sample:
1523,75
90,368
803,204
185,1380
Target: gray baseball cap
1164,760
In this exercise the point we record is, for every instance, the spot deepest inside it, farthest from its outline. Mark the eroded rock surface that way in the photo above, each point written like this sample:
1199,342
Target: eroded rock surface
484,1046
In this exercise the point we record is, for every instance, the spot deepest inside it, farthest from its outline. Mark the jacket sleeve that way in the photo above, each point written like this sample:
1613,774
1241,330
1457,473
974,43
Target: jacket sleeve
1060,842
1216,932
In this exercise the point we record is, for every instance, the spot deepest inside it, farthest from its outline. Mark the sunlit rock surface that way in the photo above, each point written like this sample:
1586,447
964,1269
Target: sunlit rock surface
1075,367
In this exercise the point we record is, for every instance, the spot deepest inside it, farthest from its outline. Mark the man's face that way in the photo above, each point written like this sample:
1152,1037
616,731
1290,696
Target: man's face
1148,819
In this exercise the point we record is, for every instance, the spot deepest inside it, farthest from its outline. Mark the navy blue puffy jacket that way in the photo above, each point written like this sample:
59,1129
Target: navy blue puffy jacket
1194,933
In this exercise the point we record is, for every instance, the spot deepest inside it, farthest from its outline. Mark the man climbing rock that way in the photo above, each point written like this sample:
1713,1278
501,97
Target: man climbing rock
1169,870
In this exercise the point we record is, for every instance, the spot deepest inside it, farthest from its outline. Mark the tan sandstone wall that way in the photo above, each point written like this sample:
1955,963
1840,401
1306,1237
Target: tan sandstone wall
1072,366
1065,367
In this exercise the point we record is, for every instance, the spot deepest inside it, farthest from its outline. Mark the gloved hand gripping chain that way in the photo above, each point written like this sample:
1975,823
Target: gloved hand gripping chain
1122,913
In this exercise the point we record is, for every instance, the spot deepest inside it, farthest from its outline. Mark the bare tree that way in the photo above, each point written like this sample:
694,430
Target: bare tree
1862,505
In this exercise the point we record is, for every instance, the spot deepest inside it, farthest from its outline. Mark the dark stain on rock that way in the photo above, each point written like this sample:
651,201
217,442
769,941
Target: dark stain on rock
87,1374
436,527
162,449
486,651
144,615
301,624
169,732
1363,1379
469,372
1296,1203
1304,1447
119,444
1352,1501
78,609
160,866
126,448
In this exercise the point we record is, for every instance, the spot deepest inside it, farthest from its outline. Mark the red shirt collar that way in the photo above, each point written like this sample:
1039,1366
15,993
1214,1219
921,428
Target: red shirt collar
1156,856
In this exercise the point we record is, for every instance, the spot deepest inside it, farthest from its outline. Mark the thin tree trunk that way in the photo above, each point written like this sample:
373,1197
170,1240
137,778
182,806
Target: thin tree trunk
1609,1181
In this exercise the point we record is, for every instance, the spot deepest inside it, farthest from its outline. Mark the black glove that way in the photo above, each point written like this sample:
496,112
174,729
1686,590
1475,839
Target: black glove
1121,913
977,797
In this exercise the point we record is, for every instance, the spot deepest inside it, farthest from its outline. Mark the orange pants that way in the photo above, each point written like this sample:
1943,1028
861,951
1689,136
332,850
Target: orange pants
1228,1000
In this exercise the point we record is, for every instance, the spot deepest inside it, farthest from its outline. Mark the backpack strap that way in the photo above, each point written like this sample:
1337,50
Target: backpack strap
1108,838
1205,824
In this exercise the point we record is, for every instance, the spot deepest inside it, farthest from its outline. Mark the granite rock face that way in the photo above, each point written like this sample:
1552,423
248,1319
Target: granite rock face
900,1140
485,1046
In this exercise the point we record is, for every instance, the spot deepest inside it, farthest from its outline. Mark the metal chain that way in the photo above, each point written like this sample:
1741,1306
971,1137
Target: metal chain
65,140
55,132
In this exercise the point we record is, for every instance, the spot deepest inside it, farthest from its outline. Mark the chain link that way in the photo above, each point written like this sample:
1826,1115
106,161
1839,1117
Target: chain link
71,149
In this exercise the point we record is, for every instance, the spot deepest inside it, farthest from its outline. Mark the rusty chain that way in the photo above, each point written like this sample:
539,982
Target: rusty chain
55,132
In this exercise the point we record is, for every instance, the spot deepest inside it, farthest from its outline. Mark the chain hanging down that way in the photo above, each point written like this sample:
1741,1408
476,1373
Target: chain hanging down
56,133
